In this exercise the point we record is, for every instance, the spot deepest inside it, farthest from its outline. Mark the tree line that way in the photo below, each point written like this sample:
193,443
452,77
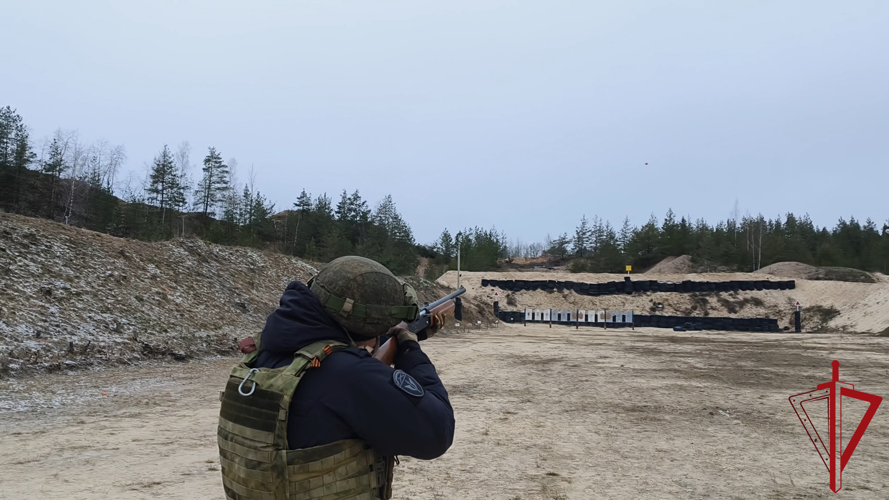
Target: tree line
77,183
739,243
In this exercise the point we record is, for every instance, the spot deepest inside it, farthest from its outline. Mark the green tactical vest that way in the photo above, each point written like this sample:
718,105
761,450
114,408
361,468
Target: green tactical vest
252,437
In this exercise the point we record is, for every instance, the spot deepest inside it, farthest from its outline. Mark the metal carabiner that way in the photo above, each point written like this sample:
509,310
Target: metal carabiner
241,386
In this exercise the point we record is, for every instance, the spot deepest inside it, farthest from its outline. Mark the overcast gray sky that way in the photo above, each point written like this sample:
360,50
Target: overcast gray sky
519,115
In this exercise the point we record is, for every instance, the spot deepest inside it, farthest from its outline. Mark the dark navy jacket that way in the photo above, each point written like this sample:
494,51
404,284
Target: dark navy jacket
352,395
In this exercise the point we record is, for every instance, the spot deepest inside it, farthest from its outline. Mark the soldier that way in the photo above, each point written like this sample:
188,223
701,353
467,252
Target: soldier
310,414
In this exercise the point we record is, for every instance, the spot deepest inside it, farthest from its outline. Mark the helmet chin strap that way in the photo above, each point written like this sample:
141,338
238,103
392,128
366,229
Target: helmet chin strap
351,340
354,343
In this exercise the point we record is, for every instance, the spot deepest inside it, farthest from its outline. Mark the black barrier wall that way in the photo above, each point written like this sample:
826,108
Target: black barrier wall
630,287
659,321
707,323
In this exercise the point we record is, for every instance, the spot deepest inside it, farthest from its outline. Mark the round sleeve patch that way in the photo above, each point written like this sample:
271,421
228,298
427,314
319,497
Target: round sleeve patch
407,384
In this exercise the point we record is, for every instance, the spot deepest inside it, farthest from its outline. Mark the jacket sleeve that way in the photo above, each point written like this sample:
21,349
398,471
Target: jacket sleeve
394,422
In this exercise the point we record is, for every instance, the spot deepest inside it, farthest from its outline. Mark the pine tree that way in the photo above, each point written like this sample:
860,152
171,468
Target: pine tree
10,121
22,158
610,258
342,208
597,235
335,243
324,208
359,219
214,185
582,237
392,239
626,233
446,245
352,215
311,250
54,165
254,217
164,189
15,158
559,247
670,234
303,207
358,208
480,249
643,249
387,217
245,214
318,223
303,202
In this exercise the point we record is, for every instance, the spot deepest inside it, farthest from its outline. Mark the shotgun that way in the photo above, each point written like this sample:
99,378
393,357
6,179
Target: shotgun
445,305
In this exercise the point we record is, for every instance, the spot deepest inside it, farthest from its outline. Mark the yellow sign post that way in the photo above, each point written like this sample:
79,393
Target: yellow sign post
629,268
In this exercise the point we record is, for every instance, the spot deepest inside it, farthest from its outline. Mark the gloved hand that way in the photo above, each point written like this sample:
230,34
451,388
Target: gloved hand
436,322
402,335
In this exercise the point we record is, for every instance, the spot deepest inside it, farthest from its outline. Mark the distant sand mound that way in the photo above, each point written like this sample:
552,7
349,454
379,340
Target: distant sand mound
674,265
798,270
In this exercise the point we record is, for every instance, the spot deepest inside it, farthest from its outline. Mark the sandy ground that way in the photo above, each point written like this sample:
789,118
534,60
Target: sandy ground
541,414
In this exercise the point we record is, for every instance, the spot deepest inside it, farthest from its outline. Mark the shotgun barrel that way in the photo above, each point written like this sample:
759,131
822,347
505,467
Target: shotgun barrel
449,303
420,324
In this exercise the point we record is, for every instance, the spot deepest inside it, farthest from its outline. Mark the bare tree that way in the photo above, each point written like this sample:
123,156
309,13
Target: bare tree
55,162
514,249
103,162
77,159
115,157
90,167
735,213
182,159
132,194
755,230
229,200
95,163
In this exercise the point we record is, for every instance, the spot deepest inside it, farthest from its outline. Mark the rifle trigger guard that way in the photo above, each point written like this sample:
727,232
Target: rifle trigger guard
241,386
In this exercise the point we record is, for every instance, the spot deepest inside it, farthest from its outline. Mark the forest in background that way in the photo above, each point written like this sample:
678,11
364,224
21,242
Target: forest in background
739,243
76,183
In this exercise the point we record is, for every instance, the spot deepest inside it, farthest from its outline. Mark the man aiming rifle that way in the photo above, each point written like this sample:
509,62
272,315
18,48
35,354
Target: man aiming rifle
310,414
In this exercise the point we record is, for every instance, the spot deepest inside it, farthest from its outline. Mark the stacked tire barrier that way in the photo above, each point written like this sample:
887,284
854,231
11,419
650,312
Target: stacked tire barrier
630,287
707,323
617,319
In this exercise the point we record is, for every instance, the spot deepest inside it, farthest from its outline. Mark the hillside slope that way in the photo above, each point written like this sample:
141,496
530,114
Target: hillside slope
71,297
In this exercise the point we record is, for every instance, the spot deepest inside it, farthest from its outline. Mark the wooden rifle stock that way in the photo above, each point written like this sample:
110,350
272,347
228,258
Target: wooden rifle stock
386,352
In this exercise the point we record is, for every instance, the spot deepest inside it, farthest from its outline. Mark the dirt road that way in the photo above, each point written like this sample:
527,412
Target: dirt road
541,414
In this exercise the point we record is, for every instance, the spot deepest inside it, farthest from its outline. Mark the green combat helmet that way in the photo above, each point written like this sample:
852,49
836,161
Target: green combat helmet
363,296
